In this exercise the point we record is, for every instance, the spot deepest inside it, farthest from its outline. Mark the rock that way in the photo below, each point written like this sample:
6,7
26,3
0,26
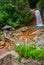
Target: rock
30,42
36,62
35,38
7,27
14,54
30,62
24,60
23,29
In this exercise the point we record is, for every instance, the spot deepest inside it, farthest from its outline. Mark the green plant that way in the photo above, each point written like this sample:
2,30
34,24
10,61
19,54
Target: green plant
30,52
14,24
3,17
35,54
15,14
40,5
26,17
18,58
9,15
0,34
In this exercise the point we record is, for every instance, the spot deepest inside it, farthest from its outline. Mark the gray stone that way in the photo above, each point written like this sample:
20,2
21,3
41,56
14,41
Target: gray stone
10,59
6,27
24,60
22,29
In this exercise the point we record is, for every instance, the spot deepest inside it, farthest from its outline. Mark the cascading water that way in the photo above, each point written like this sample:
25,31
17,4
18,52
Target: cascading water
38,18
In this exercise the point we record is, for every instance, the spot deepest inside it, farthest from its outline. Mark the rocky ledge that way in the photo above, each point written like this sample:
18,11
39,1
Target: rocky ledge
10,59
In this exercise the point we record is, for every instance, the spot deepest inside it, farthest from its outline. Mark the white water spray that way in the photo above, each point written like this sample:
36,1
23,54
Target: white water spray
38,18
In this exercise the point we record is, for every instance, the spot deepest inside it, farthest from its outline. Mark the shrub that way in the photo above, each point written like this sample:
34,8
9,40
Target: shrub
12,15
30,52
3,17
9,14
27,17
12,23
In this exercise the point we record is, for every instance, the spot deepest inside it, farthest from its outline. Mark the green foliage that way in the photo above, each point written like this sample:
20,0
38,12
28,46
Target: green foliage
9,14
2,2
40,5
15,14
18,58
25,13
30,52
22,4
0,34
11,23
3,18
9,8
27,17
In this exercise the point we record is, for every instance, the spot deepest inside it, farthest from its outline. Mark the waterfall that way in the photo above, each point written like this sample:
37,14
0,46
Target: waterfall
38,18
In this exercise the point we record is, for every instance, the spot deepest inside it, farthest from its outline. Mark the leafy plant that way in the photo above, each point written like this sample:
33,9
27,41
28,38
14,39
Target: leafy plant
18,58
30,52
9,15
11,23
15,14
3,17
0,34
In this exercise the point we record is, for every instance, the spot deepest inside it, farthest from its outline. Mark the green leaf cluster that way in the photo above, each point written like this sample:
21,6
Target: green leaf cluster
30,52
15,14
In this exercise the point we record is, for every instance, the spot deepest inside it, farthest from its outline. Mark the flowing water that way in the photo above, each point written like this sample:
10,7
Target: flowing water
38,18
